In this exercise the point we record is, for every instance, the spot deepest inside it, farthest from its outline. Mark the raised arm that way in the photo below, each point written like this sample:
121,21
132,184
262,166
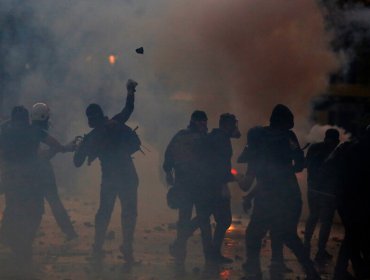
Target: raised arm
126,112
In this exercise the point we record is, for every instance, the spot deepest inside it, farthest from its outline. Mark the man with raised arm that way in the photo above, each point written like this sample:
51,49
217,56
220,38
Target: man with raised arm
113,143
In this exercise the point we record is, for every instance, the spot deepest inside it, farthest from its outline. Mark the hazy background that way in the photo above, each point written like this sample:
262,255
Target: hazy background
239,56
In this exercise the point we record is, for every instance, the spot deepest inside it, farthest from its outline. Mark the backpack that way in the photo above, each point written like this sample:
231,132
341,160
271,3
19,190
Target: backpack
131,139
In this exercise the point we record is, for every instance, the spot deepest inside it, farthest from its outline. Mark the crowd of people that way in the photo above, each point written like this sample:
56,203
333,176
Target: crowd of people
198,169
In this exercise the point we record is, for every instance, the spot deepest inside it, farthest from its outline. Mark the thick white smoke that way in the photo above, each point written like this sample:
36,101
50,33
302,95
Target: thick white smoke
317,133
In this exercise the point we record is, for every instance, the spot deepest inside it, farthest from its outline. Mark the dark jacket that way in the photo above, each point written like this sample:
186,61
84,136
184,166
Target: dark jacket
108,142
274,156
185,156
221,151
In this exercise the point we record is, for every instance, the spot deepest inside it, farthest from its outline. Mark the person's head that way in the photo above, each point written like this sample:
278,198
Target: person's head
198,121
229,124
40,115
20,115
95,115
332,137
282,117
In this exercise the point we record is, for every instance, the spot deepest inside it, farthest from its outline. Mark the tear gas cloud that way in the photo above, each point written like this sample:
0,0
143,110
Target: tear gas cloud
219,56
317,133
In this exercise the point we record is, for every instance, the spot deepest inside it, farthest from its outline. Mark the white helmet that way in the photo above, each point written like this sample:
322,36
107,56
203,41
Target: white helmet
40,112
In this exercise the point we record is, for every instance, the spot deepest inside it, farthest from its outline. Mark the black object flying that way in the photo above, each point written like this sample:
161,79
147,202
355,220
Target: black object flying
140,50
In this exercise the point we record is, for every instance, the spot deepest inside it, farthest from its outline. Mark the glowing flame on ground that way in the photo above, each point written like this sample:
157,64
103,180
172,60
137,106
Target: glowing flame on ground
112,59
225,274
234,171
231,228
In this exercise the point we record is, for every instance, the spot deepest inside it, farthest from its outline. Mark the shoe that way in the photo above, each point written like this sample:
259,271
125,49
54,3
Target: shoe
345,276
311,272
71,236
280,267
177,252
97,254
128,255
252,271
323,256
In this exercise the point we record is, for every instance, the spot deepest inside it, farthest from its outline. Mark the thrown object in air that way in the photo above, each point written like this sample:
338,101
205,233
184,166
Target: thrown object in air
140,50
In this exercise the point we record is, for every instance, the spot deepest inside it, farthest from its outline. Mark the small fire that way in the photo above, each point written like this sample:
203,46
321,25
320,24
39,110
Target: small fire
225,274
231,228
112,59
234,171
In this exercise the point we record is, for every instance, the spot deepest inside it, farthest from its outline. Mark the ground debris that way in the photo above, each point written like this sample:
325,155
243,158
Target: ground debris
158,228
171,226
88,224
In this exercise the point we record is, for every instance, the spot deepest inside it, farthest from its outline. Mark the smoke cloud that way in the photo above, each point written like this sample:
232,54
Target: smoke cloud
219,56
317,133
246,56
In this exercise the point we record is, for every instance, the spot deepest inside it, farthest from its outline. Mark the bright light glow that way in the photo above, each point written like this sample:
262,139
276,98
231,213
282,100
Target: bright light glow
234,171
112,59
225,274
231,228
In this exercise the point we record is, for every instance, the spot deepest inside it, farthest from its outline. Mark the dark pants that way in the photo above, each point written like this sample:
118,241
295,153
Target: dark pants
126,190
355,238
322,208
277,248
223,218
186,225
206,204
52,197
279,216
24,207
21,220
218,205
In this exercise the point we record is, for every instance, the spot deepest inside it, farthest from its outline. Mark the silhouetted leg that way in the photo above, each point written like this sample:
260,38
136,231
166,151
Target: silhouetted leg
128,198
257,228
276,247
326,217
314,212
178,247
203,211
107,198
223,217
60,213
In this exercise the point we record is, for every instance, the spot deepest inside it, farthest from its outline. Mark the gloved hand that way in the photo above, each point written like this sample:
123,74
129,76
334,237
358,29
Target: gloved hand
169,179
70,147
131,86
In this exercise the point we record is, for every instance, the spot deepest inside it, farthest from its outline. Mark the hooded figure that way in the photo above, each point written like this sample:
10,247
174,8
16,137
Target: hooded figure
274,159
